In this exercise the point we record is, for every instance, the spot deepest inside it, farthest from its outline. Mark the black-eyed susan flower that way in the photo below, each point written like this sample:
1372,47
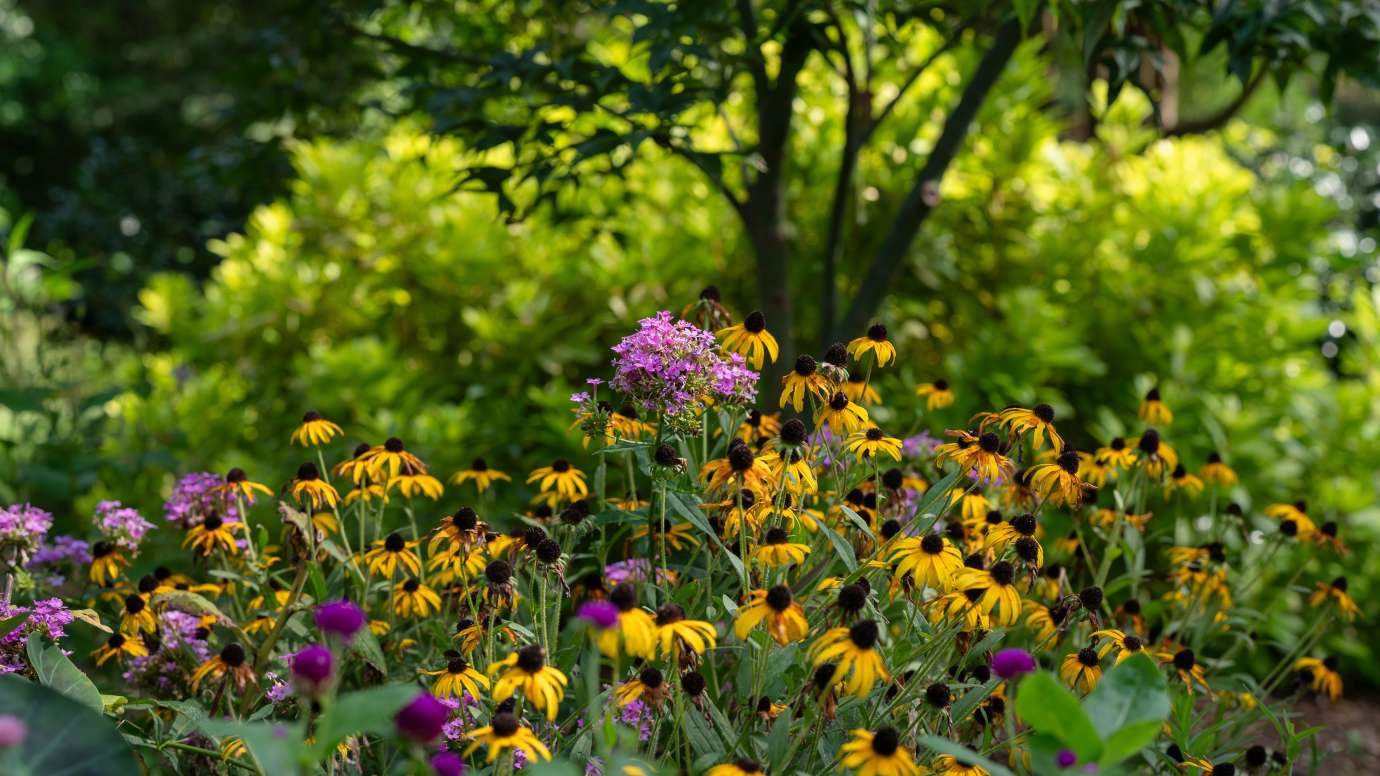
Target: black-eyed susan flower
795,468
347,467
741,467
211,533
1058,482
979,454
457,678
386,461
874,342
561,479
237,483
1209,768
106,562
315,430
390,552
854,651
1181,481
777,549
649,685
1216,472
758,426
859,389
1127,645
462,527
1189,670
751,339
841,415
1043,619
778,610
872,443
804,380
1018,532
937,395
119,646
999,593
456,563
480,474
1094,470
1153,409
931,561
878,754
1321,675
526,670
740,767
1297,513
948,765
635,633
1156,457
675,634
1081,670
137,617
1335,593
505,732
413,599
230,660
677,536
308,484
410,482
366,493
1117,454
1038,422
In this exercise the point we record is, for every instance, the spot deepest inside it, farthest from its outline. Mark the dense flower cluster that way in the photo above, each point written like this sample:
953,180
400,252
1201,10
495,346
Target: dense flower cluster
669,365
714,588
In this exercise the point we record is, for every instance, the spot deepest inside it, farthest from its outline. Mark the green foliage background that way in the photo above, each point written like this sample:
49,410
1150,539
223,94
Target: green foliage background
1081,274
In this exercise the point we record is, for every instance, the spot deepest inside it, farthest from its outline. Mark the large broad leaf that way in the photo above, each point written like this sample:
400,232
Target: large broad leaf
1127,707
56,671
66,738
366,711
841,546
278,747
1047,706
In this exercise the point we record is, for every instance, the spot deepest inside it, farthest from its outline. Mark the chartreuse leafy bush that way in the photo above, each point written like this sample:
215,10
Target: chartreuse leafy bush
716,583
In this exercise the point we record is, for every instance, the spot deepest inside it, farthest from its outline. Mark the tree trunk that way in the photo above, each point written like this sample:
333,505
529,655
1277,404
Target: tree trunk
923,197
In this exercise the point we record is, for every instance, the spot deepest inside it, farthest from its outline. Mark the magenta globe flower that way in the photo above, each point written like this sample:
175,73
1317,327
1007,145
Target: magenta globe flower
601,614
1010,663
340,618
448,764
422,719
312,668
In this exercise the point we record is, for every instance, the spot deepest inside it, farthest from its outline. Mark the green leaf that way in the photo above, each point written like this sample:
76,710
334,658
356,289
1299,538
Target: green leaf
189,602
66,738
1130,695
365,711
11,624
366,647
56,671
1046,705
552,768
930,502
1127,741
841,546
278,747
779,741
945,746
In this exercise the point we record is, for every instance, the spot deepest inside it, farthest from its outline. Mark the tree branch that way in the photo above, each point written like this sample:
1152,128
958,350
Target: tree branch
922,197
1221,117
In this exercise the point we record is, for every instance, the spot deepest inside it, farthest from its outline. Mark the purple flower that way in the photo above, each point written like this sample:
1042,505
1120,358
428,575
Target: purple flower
121,525
422,719
1010,663
13,731
278,690
1065,758
579,397
311,667
601,614
63,549
448,764
194,497
48,617
668,365
340,618
922,442
24,526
